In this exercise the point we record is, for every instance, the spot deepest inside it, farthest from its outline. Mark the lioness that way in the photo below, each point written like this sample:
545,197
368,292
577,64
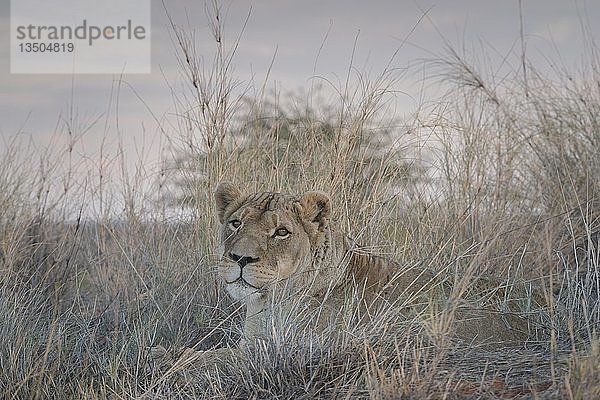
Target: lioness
273,242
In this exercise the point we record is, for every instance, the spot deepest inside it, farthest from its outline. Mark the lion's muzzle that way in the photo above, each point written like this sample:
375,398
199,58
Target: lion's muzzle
238,269
243,261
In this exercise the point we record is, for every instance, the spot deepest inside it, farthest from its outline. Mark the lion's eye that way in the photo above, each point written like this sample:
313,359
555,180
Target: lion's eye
281,232
235,224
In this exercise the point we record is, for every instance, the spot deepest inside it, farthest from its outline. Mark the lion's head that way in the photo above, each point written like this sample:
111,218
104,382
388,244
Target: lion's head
268,238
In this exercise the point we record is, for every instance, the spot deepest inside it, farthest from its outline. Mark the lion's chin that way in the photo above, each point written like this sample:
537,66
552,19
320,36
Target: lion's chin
243,291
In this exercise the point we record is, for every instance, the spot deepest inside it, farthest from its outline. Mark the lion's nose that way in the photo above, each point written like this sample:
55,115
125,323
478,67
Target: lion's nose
242,261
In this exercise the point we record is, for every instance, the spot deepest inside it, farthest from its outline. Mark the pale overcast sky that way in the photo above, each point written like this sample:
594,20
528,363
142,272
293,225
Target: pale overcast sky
33,105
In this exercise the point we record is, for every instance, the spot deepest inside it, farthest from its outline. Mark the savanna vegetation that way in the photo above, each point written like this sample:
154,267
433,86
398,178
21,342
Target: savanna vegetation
498,177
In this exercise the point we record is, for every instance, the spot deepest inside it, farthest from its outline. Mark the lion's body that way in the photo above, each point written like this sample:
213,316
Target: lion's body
274,243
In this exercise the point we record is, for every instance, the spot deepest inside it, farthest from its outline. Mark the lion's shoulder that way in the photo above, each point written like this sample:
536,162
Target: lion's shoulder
381,274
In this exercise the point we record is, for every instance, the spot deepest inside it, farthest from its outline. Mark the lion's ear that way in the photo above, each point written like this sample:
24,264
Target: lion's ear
225,194
316,208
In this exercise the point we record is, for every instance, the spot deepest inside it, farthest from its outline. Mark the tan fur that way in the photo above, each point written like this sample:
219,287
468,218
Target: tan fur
316,263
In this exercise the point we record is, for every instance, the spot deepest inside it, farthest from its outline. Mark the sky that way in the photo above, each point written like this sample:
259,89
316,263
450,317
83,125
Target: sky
285,43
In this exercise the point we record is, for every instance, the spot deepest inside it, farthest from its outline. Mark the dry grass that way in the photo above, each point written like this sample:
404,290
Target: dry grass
509,189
